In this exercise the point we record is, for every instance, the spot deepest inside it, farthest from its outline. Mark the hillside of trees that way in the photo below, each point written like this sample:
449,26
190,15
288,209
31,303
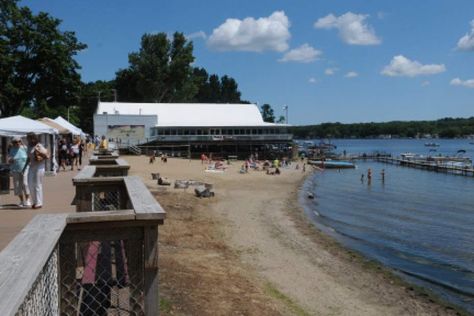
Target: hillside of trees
444,128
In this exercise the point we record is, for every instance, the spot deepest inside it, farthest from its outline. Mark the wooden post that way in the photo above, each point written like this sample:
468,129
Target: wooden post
152,302
83,199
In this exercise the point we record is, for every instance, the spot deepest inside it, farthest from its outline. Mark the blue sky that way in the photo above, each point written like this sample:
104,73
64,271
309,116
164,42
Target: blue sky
345,61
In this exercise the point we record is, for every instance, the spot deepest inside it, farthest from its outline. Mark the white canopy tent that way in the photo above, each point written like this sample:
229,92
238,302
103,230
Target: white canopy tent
73,129
20,126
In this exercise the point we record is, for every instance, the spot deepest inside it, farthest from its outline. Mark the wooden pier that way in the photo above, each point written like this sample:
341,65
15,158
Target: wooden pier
428,165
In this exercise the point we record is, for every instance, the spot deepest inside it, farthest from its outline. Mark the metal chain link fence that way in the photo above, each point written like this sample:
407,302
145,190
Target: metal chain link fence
104,278
43,296
106,201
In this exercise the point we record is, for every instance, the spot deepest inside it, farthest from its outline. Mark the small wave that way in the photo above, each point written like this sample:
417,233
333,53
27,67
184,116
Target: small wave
446,285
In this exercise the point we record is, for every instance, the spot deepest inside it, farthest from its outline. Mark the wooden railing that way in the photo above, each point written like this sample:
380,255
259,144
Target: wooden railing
102,260
105,168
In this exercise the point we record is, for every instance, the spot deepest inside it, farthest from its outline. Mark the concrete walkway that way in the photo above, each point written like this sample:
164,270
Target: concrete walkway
58,195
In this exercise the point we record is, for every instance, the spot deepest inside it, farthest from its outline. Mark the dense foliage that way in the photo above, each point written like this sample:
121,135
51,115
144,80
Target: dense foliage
446,128
162,71
38,74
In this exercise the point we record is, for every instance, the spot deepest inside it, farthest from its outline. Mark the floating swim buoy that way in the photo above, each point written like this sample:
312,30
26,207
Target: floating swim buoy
310,195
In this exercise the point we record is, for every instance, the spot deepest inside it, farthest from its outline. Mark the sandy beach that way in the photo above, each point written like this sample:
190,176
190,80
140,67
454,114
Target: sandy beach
250,251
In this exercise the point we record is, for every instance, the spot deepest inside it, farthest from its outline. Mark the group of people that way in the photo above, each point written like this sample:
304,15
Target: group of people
152,158
27,168
70,153
369,176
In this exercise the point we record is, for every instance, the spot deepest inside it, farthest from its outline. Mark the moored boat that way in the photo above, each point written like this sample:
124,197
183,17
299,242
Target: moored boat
332,164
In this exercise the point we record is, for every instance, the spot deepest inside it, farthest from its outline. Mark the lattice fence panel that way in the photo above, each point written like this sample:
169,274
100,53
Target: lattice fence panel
43,298
106,201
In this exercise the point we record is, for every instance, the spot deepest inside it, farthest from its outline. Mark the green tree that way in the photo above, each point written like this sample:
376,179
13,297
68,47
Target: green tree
267,113
89,98
201,79
38,73
214,89
281,119
229,90
161,71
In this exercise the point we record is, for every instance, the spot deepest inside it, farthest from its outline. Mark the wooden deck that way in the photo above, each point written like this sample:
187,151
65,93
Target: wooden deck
427,165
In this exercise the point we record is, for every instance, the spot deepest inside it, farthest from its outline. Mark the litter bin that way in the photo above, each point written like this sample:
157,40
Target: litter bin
4,179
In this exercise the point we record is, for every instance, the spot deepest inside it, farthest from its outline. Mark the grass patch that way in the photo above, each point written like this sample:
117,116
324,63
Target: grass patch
165,305
275,293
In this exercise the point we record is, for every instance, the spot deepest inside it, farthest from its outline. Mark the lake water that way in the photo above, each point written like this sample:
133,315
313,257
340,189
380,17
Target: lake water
420,223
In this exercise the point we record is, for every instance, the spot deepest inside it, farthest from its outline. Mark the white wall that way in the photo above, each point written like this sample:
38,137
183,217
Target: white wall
104,123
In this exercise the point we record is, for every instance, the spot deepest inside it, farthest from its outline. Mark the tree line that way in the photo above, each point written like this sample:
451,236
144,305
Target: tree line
444,128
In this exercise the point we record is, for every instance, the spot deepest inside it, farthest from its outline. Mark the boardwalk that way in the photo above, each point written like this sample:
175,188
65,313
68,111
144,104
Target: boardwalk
58,195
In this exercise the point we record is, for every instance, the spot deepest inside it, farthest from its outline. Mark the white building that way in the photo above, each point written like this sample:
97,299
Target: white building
194,124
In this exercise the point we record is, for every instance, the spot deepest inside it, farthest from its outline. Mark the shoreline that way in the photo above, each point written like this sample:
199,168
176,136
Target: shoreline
252,249
372,265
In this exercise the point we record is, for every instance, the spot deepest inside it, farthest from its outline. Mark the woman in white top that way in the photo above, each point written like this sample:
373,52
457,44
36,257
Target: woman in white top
75,153
37,153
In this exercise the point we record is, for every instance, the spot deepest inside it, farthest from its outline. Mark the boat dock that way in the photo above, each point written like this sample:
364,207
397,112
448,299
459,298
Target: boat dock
429,165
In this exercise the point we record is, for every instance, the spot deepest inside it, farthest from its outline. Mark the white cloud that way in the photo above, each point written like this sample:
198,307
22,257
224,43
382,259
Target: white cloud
425,83
465,83
255,35
351,74
353,29
313,80
194,35
402,66
302,54
330,71
467,41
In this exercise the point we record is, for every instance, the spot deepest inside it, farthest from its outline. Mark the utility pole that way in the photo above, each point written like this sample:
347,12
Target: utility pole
98,95
285,107
115,94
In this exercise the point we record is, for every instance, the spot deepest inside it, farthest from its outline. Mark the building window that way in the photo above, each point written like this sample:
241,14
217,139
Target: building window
173,132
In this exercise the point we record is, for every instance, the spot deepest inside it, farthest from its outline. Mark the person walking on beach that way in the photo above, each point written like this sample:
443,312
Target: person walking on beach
17,157
383,175
369,176
37,153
